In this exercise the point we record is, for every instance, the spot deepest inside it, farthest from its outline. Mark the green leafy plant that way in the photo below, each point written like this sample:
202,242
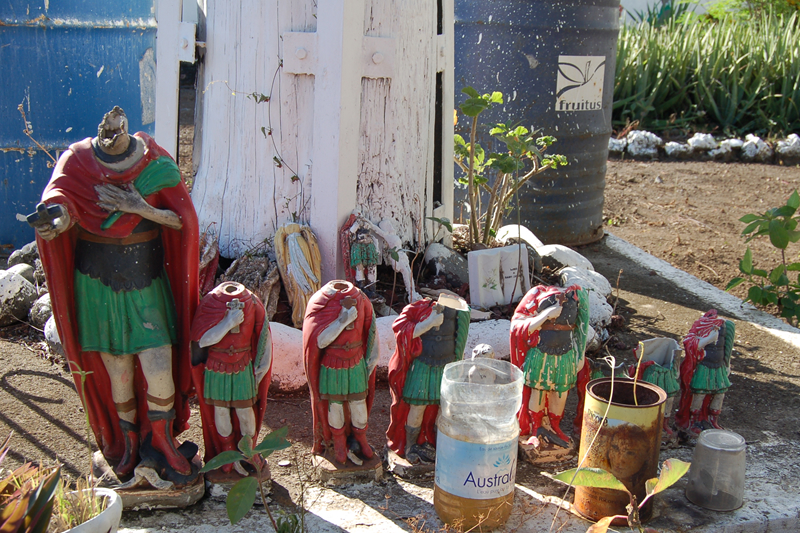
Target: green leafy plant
243,494
660,14
522,149
26,496
773,287
671,471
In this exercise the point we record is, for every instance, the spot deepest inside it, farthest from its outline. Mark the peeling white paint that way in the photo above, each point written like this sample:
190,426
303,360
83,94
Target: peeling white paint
99,72
147,86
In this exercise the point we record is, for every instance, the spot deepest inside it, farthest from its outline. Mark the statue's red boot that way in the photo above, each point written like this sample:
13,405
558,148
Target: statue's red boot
131,457
339,445
361,438
163,442
555,424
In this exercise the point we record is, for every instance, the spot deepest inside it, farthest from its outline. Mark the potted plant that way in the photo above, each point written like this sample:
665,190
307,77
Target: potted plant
26,496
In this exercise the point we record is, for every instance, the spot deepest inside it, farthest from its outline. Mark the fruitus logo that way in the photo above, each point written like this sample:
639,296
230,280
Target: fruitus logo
579,85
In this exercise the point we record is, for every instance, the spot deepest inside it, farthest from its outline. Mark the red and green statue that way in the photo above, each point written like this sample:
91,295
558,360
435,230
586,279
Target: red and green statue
232,363
118,238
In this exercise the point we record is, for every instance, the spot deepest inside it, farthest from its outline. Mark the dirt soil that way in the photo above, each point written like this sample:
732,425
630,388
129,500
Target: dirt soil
687,213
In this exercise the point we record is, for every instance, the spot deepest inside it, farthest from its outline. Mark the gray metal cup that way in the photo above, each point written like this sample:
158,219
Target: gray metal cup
716,477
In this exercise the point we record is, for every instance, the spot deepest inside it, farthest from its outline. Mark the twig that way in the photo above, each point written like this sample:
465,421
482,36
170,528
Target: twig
616,297
709,268
29,133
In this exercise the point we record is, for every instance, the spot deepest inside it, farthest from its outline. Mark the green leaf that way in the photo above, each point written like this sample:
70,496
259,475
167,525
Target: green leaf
469,91
671,471
222,459
793,267
495,98
794,200
746,264
444,221
783,211
473,107
241,498
276,440
776,275
589,477
749,218
758,272
246,446
778,235
735,282
750,227
754,294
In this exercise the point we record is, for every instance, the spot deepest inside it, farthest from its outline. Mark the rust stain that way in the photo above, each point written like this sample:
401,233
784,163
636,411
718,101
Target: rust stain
628,451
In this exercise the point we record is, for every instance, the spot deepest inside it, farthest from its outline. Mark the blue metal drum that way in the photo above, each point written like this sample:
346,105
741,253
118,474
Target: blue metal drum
66,64
554,62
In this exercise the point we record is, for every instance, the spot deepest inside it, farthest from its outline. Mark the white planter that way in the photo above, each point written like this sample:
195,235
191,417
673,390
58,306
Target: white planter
108,520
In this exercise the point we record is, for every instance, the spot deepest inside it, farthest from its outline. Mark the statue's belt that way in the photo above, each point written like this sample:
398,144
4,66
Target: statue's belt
347,346
133,238
233,360
558,327
230,350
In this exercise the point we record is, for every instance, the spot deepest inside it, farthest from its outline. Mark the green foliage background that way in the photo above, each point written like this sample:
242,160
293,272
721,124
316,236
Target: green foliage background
735,70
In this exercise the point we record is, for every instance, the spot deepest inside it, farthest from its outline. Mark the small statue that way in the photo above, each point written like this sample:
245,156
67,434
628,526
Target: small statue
429,335
232,361
659,366
299,260
704,372
361,252
340,349
121,260
548,339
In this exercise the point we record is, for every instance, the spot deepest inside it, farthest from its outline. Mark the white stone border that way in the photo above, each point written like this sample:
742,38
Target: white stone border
720,300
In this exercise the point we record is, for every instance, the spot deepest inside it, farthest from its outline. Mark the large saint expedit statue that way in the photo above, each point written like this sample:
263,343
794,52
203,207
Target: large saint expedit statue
429,335
704,372
118,238
548,340
232,363
340,350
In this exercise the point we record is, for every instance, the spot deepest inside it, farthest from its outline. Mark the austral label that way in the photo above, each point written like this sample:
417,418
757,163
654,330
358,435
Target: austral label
475,471
579,85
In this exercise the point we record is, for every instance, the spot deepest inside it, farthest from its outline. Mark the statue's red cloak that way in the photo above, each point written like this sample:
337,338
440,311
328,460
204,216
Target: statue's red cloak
701,328
322,309
209,313
521,341
73,185
408,348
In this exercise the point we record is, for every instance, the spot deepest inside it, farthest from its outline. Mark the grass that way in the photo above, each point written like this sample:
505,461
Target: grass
730,75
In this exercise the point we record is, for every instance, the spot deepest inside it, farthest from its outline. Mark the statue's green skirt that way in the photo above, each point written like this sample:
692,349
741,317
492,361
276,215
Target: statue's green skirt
666,378
710,380
124,322
363,253
423,384
339,384
557,373
230,390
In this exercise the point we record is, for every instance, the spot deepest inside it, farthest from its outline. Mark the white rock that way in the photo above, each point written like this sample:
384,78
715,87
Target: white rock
789,147
617,146
17,294
514,232
600,311
41,311
674,149
702,142
51,336
736,144
557,256
23,269
448,261
586,279
27,254
643,144
593,342
755,149
726,149
288,373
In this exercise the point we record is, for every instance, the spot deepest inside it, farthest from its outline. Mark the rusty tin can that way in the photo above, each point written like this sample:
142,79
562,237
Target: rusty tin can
628,444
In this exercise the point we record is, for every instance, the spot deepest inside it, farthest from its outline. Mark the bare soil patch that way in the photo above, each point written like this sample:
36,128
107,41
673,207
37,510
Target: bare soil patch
687,213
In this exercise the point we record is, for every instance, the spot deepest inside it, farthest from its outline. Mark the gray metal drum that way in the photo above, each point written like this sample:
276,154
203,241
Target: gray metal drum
66,64
554,61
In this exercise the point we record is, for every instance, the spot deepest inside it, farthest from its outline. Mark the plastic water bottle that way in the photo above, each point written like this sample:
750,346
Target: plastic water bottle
476,445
